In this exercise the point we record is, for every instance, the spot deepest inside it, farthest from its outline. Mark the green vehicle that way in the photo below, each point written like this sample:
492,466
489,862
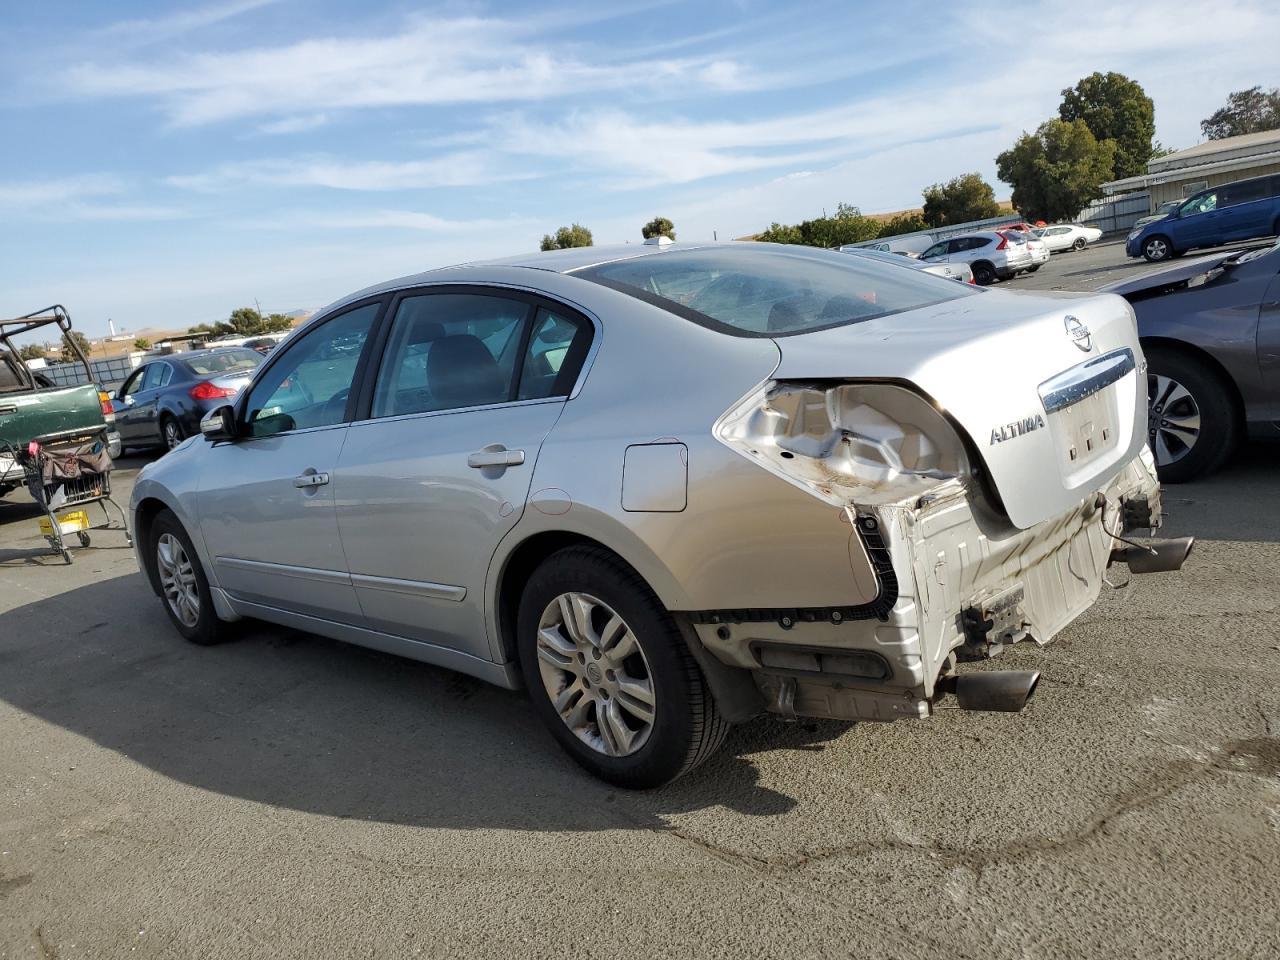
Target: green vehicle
32,406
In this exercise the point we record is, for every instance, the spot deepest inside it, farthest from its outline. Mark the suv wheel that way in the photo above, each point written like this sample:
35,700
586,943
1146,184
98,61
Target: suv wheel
983,274
1191,418
183,586
609,673
1157,248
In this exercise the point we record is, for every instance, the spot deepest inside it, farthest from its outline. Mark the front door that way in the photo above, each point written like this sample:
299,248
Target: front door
469,386
1199,223
135,413
266,505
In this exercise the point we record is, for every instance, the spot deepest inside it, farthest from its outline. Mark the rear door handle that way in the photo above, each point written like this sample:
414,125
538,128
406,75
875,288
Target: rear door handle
311,480
499,457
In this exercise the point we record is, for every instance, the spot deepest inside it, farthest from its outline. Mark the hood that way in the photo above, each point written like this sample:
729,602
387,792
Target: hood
1169,276
1053,422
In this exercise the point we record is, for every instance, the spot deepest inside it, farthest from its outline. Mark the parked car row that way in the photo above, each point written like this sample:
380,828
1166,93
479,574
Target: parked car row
668,487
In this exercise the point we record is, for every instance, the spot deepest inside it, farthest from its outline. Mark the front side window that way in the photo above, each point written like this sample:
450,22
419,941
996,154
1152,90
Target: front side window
1205,203
310,384
134,383
785,291
450,350
937,250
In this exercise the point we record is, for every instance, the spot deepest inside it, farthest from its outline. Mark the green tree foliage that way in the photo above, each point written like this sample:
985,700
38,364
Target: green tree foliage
847,225
68,352
959,200
244,322
903,223
1114,108
1247,111
142,343
567,237
1057,170
33,351
657,227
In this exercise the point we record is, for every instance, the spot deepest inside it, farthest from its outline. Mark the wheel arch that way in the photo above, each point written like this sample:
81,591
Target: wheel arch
1211,363
144,515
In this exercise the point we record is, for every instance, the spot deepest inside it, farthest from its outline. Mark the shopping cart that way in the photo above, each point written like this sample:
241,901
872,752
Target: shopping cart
65,473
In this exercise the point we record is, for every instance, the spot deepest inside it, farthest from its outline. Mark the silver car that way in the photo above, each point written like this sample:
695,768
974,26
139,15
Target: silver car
989,254
668,487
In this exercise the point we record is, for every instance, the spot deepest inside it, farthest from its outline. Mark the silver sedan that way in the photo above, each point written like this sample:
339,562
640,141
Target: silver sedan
669,487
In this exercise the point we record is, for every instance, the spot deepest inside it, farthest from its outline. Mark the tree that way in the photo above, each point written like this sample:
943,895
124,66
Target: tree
1247,111
780,233
566,237
848,225
142,343
1057,170
68,353
903,223
658,227
959,200
33,351
244,322
1114,108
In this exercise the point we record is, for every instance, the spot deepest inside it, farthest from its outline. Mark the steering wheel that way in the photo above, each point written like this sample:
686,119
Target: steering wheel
336,405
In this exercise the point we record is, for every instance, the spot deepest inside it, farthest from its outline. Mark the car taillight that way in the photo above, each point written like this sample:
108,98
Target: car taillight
207,391
1004,242
105,399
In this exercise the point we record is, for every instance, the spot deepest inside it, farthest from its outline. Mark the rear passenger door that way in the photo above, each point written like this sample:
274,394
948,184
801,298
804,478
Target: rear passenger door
436,469
1246,210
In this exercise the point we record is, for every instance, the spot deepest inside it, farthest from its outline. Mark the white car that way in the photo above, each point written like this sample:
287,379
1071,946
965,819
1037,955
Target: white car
991,256
1068,236
1035,246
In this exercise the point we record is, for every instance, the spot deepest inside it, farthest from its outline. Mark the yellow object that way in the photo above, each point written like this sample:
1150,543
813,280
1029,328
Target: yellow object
71,522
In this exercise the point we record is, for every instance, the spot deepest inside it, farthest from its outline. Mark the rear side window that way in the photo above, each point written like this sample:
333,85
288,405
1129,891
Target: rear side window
557,347
1245,192
229,361
755,291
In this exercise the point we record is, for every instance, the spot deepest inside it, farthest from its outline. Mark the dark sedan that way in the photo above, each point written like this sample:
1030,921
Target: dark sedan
161,403
1211,332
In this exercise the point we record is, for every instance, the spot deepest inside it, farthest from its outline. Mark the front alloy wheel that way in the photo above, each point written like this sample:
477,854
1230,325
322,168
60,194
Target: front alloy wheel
1156,249
596,674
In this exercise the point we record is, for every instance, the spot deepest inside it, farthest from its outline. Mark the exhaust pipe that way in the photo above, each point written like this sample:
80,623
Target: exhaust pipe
1004,691
1155,556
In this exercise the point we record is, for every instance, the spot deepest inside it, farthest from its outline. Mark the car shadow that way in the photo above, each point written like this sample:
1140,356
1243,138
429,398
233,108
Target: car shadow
1240,502
298,721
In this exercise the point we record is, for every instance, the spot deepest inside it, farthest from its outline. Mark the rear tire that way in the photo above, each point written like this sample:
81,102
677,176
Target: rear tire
1079,244
1182,393
589,632
1157,248
184,590
171,432
983,273
1035,268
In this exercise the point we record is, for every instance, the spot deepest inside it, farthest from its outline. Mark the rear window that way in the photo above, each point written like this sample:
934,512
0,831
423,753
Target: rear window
226,361
752,291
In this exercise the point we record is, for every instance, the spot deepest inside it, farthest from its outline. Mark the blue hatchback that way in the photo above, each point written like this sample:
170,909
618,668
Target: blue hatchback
1222,214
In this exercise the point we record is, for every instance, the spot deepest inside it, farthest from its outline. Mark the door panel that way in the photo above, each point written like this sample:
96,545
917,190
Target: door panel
1269,354
272,541
419,525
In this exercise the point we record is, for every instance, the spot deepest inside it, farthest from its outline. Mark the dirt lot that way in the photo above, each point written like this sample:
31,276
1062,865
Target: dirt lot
286,796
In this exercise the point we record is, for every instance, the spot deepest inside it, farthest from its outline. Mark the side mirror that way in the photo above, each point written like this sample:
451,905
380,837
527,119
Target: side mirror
219,424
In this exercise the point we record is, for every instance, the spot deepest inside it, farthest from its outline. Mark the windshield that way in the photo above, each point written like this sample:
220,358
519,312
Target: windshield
755,291
225,361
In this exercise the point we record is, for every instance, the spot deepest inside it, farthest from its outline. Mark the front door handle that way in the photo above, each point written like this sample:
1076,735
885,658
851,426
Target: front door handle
305,480
496,456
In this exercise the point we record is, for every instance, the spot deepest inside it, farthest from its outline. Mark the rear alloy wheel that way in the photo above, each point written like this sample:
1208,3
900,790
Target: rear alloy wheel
984,274
182,583
1191,421
172,433
1156,249
1078,244
609,673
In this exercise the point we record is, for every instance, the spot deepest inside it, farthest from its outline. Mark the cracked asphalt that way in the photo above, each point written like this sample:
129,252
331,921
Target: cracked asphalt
288,796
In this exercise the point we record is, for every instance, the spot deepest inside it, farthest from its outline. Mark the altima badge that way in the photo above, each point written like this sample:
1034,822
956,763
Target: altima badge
1078,332
1007,431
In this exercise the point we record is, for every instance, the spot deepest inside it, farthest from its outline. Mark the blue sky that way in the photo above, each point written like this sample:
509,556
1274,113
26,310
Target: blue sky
164,164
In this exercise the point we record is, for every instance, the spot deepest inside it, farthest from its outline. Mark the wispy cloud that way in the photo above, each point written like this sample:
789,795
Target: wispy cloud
295,124
87,197
430,61
450,170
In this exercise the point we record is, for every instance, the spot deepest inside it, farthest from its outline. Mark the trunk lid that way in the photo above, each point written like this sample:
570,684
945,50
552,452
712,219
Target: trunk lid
1052,421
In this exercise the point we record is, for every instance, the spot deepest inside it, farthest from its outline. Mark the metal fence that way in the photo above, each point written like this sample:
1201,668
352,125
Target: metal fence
951,230
107,373
1116,214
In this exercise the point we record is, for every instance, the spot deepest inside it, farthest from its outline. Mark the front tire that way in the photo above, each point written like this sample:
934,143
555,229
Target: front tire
1157,248
1079,244
1191,417
1035,268
610,675
184,589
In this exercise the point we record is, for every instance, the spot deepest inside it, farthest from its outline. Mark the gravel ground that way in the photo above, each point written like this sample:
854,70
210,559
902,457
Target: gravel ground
287,796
